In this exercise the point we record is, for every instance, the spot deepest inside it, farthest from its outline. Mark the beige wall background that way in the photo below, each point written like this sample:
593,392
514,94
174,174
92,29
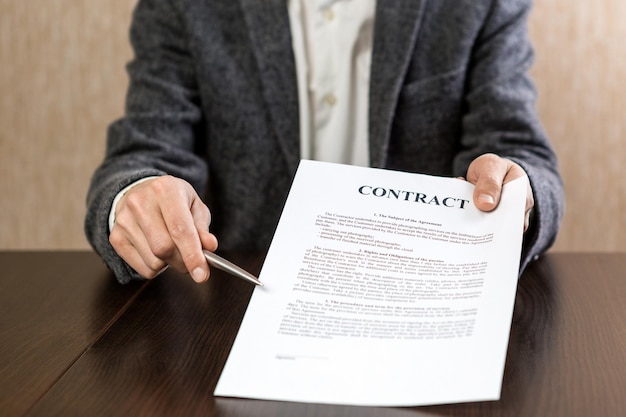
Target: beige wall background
62,80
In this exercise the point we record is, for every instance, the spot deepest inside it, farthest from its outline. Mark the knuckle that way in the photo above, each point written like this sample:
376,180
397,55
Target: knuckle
132,200
155,265
123,221
178,230
489,158
133,206
489,161
205,212
160,184
116,238
163,248
492,180
164,185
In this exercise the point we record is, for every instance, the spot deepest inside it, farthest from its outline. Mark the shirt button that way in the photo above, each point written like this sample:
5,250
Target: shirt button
330,99
329,15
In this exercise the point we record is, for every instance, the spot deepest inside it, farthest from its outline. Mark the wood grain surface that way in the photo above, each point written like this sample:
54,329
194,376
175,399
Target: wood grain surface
53,307
62,81
163,355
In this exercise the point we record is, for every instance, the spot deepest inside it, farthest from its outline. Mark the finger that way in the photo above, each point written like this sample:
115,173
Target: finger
202,219
129,253
530,204
487,173
129,241
182,230
145,227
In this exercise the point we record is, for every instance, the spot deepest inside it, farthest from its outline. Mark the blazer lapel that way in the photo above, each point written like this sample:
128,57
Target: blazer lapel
270,35
395,33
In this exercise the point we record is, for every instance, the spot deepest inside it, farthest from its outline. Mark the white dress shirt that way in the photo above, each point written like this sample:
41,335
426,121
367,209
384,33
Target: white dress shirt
332,45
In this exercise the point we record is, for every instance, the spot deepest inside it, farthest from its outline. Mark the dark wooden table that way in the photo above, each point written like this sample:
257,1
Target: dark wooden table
75,343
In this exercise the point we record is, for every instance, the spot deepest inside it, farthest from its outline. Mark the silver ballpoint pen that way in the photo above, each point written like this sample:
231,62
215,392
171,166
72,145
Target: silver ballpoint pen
224,265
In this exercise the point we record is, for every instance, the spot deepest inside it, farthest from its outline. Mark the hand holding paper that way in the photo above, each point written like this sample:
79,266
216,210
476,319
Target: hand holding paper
381,288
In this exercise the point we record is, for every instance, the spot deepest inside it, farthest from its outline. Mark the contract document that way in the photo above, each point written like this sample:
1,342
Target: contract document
381,288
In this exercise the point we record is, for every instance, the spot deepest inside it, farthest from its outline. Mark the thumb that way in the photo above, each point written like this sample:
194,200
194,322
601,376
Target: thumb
202,219
487,193
487,173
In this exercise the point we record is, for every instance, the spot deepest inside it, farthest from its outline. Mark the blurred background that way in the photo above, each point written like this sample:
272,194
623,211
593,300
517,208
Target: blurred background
63,80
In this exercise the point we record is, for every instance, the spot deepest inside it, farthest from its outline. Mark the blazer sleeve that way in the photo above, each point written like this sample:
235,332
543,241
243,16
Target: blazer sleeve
501,118
157,134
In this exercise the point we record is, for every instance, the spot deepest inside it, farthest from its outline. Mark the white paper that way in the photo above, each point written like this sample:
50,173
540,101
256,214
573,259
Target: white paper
381,288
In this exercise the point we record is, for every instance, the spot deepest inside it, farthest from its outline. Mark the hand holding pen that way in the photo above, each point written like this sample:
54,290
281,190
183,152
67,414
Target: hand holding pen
161,222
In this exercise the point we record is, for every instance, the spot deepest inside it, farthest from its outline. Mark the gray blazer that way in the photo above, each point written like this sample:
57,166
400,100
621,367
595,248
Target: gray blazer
213,99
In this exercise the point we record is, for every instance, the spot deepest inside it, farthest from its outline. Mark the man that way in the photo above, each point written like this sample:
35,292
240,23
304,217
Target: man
225,97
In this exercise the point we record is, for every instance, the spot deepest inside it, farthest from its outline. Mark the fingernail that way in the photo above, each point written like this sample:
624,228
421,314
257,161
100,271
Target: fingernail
486,198
198,274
